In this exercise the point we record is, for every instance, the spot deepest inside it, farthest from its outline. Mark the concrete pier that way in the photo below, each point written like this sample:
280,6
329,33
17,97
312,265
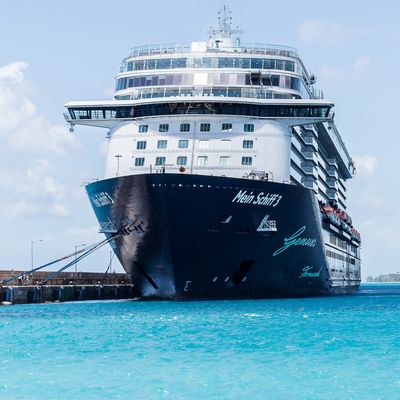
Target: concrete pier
67,286
66,278
58,293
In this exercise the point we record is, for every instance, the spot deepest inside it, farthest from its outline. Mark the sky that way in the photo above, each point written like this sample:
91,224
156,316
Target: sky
53,52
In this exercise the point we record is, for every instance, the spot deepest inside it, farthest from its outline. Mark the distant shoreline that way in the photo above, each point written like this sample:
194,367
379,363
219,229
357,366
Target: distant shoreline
381,283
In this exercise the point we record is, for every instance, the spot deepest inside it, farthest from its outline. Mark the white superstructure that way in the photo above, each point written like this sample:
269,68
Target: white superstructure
221,108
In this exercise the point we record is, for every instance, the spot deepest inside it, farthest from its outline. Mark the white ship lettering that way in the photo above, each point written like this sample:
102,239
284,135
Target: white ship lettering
262,199
101,199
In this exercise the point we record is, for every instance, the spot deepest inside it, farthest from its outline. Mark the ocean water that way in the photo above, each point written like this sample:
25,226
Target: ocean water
344,347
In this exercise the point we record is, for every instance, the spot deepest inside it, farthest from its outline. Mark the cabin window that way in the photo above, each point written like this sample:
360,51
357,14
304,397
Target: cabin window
183,144
160,160
141,145
181,160
163,128
139,162
185,128
249,127
162,144
202,160
205,127
143,128
247,144
247,160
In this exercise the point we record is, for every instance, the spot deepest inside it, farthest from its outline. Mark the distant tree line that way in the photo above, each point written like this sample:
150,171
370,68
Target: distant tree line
385,278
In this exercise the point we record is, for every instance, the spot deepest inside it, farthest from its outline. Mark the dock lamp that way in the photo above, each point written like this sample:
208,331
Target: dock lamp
32,243
76,249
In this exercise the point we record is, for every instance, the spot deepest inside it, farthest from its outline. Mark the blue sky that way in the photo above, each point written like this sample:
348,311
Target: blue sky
53,52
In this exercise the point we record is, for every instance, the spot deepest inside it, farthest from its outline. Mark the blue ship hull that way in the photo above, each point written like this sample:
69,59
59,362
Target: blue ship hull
194,236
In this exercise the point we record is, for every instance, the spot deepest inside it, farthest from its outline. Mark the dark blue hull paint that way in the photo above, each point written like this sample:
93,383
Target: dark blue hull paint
184,245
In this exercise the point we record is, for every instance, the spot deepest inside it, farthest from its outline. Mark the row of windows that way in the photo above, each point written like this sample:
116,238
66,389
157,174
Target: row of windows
340,257
230,91
201,161
342,244
204,127
202,108
184,144
211,62
212,79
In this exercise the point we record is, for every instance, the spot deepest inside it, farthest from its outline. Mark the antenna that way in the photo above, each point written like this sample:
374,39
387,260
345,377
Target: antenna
224,30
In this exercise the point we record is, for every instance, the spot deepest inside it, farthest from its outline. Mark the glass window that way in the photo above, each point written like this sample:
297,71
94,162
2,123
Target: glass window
247,144
249,127
181,160
225,144
139,162
185,128
183,144
269,64
162,144
256,63
143,128
247,160
202,160
227,127
178,62
203,144
224,160
205,127
163,128
160,160
141,145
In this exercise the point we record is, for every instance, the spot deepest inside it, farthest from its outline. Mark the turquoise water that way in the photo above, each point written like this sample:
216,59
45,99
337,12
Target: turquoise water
317,348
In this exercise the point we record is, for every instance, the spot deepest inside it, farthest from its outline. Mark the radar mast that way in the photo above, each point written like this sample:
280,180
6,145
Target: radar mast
224,35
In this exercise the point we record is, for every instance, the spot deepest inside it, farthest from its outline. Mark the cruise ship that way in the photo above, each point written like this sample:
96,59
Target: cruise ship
226,174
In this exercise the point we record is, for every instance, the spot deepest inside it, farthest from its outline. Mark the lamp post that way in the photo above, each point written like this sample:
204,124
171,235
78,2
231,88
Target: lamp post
32,242
117,156
76,249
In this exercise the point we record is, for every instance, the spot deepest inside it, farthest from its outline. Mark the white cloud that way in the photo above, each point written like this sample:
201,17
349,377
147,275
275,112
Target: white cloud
366,164
33,192
21,126
13,72
325,32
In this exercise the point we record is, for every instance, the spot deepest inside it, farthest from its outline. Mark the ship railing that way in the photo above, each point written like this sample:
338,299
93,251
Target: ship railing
336,135
245,48
316,93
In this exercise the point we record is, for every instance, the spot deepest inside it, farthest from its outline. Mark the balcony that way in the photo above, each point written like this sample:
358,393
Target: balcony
311,141
310,155
310,184
331,183
333,162
331,171
331,193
